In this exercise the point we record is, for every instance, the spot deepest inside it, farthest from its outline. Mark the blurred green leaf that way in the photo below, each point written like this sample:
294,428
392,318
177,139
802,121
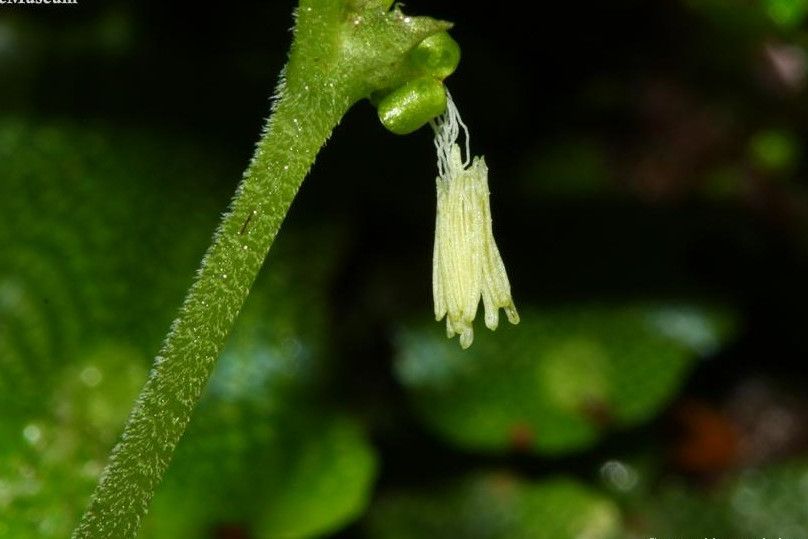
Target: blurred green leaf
787,13
96,247
283,475
101,232
774,151
496,506
50,460
771,502
554,383
262,453
757,502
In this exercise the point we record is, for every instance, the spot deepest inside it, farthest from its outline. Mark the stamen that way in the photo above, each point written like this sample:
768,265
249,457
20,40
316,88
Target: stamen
467,266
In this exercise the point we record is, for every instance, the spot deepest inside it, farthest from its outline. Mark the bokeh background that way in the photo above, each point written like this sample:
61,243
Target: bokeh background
649,197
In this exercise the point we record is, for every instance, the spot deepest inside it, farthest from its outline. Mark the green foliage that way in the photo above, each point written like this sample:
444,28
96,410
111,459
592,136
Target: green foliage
557,382
758,502
774,151
75,333
787,13
51,458
497,506
771,502
280,474
70,197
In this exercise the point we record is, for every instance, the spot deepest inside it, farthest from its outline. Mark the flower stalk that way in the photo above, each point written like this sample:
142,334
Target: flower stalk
343,51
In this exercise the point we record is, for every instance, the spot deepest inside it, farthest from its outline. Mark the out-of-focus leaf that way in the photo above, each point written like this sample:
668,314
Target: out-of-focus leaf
98,244
675,510
496,506
787,13
556,381
771,502
100,235
50,461
774,151
307,471
282,475
765,502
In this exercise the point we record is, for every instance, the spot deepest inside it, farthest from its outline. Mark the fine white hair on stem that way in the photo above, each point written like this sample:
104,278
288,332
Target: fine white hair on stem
466,264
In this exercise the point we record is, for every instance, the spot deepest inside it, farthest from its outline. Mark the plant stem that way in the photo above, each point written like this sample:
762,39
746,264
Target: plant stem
342,51
181,370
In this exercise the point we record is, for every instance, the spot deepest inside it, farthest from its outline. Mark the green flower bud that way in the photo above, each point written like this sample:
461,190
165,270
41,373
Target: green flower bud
438,55
412,105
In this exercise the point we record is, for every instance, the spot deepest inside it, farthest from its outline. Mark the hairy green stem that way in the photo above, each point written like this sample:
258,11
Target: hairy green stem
343,51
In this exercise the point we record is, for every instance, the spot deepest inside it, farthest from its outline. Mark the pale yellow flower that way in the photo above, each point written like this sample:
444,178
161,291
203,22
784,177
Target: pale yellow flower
466,264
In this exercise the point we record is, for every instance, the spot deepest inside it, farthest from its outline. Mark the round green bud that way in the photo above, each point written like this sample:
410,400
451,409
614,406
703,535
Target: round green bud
412,105
437,55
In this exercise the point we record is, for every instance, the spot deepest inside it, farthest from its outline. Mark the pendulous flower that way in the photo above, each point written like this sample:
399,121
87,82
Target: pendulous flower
466,264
